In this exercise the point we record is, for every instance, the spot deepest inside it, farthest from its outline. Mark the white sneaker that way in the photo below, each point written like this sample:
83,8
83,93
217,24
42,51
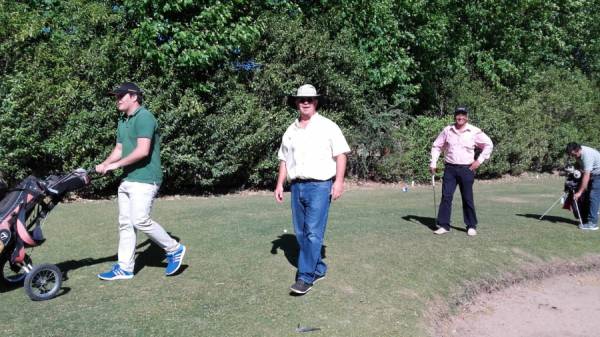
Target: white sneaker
471,232
440,231
589,226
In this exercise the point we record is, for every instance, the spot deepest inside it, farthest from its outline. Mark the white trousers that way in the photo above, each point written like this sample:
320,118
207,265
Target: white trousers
135,204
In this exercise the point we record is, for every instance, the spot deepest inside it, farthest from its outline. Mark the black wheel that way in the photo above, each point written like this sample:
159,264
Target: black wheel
11,275
43,282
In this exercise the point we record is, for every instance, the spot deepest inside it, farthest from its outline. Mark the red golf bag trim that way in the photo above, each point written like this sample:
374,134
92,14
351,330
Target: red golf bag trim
23,209
16,219
21,229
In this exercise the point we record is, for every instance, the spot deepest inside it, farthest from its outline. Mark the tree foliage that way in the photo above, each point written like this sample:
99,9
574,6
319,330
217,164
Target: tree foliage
216,73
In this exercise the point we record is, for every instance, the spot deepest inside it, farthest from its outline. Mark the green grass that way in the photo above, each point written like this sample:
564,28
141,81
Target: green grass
385,265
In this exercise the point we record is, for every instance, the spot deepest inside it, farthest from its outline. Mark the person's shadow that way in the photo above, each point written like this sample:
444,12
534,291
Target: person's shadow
427,222
550,218
288,244
291,249
65,267
152,256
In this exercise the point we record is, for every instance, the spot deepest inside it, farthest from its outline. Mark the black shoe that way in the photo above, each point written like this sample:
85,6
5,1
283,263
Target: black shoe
300,287
318,278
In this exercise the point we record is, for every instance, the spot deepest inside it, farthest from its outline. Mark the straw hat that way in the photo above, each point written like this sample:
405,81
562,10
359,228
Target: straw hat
306,90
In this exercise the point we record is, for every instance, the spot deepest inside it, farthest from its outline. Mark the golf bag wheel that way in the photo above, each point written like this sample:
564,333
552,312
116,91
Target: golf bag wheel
43,282
11,275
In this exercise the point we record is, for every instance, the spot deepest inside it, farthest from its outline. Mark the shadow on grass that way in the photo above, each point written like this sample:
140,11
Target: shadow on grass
63,291
428,222
550,218
289,245
64,267
425,221
152,256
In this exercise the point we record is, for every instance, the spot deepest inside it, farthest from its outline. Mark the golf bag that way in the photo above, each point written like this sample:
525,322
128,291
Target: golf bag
572,183
22,211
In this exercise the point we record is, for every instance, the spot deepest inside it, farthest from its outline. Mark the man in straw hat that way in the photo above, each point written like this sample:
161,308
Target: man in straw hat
137,151
313,158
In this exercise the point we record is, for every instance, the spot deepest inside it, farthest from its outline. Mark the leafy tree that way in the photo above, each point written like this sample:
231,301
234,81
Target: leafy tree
215,73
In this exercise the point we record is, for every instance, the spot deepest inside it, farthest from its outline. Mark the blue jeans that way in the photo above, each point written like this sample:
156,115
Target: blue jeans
310,208
594,201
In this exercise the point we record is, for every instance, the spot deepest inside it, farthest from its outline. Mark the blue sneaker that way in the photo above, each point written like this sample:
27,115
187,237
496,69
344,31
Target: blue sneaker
174,260
116,273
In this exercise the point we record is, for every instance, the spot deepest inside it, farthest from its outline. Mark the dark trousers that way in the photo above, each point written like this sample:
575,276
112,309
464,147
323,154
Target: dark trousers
463,177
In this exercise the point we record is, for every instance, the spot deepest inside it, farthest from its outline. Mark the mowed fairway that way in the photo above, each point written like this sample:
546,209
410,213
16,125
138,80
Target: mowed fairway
385,265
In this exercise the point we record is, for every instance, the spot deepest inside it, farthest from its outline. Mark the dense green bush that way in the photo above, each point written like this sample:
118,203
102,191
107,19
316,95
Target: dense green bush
55,115
216,73
410,158
529,126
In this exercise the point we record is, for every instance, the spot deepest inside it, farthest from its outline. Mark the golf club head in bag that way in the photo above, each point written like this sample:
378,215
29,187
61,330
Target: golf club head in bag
3,188
75,180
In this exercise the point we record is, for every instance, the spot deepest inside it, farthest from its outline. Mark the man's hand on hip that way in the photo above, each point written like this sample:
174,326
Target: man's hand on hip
474,165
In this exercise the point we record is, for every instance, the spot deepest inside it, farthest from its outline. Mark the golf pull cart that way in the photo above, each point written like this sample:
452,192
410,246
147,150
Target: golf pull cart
22,212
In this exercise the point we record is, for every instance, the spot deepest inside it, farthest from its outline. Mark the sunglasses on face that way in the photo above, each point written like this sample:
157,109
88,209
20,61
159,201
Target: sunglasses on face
305,99
120,96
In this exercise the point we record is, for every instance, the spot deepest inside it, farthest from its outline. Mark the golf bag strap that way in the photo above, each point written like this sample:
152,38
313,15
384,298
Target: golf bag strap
22,231
18,254
37,233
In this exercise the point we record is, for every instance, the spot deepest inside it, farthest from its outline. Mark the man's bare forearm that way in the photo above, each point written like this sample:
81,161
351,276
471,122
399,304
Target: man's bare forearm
340,167
114,156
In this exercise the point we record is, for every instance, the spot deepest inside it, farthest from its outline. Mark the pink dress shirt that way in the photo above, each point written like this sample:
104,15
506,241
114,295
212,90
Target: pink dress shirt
459,147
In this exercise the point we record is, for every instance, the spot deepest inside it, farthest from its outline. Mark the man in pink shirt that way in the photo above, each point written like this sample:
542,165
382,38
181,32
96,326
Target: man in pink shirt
458,142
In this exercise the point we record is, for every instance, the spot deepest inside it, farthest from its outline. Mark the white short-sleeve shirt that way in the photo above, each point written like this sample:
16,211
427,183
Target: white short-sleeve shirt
309,152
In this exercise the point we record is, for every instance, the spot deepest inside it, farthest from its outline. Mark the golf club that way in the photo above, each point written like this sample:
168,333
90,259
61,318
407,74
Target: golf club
562,199
578,214
434,205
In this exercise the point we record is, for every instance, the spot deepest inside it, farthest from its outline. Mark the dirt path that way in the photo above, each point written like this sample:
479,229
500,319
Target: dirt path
560,306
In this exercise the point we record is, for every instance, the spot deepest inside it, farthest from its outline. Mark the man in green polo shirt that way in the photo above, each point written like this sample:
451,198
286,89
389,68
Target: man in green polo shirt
138,152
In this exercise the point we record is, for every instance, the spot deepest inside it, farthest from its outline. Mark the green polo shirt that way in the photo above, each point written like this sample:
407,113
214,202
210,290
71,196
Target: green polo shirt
141,124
